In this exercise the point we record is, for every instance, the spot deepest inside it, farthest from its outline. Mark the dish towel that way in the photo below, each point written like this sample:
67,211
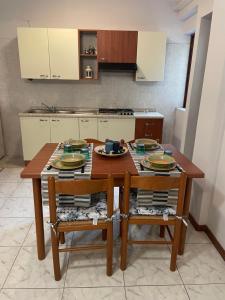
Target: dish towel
153,202
83,173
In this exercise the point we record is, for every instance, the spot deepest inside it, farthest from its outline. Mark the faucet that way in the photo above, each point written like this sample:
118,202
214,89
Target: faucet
50,108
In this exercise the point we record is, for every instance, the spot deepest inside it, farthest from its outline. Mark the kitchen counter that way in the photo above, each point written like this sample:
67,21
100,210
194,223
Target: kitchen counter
154,115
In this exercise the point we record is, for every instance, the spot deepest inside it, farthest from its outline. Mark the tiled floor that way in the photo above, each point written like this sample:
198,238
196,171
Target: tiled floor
200,272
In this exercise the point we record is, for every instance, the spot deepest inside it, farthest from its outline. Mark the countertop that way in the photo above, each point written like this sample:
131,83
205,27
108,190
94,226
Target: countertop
154,115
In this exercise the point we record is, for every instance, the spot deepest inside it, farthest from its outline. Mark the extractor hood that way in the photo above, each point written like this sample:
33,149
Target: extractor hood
118,66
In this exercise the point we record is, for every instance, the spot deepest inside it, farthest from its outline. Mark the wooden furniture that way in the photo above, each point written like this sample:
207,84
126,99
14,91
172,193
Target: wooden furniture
101,167
41,51
80,187
153,183
151,54
149,128
87,38
117,46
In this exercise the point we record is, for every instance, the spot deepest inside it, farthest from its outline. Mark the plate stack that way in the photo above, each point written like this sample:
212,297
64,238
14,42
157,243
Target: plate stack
69,161
159,162
149,144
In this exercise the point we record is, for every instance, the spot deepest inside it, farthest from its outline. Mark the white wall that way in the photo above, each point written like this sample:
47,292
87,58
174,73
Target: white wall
208,201
113,89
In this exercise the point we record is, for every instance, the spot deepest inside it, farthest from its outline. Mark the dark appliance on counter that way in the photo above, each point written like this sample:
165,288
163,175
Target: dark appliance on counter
116,111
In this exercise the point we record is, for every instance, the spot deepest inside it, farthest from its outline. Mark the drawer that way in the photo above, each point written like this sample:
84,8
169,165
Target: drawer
149,128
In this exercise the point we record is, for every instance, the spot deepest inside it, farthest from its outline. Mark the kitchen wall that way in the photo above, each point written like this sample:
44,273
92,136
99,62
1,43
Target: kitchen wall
113,89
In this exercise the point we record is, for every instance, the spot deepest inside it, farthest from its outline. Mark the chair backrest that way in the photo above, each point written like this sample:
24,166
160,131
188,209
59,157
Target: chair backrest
155,183
79,187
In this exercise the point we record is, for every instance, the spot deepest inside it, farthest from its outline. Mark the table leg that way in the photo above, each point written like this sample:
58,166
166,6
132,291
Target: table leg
187,199
39,218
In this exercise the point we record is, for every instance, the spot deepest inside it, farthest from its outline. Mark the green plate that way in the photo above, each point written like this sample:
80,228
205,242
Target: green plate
57,164
161,160
72,159
76,144
146,163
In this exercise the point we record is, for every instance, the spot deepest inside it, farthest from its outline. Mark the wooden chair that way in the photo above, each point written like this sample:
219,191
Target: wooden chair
153,183
58,228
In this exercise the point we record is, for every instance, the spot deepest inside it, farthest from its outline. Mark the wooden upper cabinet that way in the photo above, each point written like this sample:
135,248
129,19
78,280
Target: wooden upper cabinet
63,53
33,53
151,54
117,46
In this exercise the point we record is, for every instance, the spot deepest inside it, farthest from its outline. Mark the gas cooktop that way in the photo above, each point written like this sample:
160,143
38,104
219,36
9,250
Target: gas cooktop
116,111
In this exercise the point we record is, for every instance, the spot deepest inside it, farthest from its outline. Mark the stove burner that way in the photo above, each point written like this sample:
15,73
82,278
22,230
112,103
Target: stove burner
116,111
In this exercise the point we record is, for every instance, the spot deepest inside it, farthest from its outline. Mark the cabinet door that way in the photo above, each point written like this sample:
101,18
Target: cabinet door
117,46
63,53
88,128
149,128
116,129
35,134
63,129
151,53
33,53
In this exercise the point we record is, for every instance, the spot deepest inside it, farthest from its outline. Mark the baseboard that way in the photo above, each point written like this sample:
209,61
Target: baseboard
210,235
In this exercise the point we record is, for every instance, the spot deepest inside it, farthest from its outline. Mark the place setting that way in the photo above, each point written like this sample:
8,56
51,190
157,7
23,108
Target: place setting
111,148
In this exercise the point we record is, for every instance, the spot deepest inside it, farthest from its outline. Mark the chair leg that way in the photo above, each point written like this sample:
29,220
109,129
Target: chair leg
62,237
104,234
123,249
55,255
162,231
175,245
109,249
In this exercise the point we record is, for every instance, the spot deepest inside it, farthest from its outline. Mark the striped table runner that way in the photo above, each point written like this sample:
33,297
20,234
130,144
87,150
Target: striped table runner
147,198
83,173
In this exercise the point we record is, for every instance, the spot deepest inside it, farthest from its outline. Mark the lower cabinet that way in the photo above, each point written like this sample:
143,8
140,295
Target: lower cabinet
116,129
88,128
63,129
35,134
149,128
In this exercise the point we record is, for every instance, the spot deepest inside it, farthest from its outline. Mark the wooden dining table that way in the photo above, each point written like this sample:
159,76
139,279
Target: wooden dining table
101,167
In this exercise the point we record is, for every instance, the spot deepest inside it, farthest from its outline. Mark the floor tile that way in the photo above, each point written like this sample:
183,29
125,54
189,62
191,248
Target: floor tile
19,207
109,293
89,270
206,292
201,264
30,240
156,293
31,294
10,175
7,256
145,232
14,230
150,266
24,189
8,188
29,272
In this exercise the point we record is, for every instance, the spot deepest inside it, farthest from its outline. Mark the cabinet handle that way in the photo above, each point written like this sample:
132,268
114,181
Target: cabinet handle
140,77
103,121
56,76
85,121
42,75
54,120
42,120
148,135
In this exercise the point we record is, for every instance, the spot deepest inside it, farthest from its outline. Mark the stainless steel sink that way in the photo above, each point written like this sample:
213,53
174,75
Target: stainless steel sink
62,111
38,111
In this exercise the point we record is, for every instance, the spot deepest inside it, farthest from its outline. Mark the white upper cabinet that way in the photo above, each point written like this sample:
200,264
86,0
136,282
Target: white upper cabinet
63,53
151,53
48,53
33,53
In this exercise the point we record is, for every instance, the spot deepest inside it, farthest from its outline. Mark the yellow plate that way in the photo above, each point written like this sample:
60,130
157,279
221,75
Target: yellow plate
57,164
146,163
72,159
101,151
76,144
161,160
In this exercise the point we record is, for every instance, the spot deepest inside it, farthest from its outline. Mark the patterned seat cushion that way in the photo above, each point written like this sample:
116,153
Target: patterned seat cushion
151,210
97,210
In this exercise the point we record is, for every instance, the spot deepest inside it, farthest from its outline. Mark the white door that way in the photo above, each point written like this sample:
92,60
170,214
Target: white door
88,128
63,129
116,129
151,54
35,134
33,53
63,53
